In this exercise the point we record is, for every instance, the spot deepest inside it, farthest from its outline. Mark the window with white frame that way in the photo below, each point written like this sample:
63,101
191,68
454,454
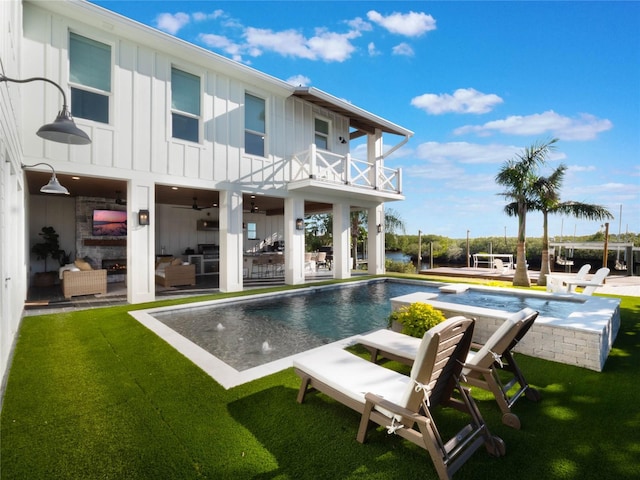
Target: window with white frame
185,105
254,125
322,134
89,78
252,231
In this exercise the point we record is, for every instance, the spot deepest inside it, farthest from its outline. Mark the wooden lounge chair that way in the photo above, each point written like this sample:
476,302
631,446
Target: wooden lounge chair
483,366
403,404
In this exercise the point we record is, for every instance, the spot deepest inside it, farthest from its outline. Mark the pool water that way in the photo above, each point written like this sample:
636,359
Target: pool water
245,334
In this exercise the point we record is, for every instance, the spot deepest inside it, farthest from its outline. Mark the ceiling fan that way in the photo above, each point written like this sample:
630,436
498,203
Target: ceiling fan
119,199
195,206
253,208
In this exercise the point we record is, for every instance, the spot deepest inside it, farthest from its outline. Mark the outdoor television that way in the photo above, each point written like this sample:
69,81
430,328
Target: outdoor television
111,223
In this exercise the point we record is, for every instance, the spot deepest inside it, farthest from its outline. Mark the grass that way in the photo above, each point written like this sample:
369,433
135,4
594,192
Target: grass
93,394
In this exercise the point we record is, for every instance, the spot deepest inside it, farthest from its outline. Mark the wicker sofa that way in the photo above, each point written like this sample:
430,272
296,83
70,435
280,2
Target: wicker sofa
172,273
84,282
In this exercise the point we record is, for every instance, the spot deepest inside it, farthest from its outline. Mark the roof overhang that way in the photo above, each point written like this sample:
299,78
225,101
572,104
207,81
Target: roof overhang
359,119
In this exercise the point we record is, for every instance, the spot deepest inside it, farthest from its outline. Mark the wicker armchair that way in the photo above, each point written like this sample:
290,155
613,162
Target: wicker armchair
85,282
176,275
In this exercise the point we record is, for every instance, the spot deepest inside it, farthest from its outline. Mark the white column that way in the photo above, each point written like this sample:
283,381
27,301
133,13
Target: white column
375,150
294,241
341,238
231,236
141,240
375,240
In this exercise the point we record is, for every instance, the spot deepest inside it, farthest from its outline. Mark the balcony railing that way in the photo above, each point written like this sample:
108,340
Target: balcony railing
343,169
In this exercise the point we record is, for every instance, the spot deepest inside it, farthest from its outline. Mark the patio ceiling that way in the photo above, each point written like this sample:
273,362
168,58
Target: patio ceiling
165,194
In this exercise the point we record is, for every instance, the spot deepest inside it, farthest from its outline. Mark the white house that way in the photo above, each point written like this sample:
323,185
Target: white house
172,126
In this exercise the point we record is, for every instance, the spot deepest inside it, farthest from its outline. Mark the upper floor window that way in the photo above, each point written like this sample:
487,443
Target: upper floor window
90,78
254,125
322,134
185,105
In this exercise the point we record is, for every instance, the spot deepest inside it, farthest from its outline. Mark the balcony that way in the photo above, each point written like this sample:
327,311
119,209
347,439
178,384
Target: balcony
321,170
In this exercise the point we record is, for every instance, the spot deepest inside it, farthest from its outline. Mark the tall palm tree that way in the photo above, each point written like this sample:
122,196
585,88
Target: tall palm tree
547,201
519,176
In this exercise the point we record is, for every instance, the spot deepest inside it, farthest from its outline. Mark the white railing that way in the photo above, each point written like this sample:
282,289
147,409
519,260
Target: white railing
344,169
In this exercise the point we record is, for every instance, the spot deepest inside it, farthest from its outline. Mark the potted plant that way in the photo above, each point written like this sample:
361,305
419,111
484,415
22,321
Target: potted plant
415,319
49,247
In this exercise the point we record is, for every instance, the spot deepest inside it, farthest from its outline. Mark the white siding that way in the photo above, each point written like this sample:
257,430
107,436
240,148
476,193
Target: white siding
138,136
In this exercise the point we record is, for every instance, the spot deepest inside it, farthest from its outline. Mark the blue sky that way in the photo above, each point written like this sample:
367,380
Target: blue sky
476,81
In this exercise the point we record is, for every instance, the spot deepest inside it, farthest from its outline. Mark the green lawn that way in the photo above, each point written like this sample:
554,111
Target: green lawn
93,394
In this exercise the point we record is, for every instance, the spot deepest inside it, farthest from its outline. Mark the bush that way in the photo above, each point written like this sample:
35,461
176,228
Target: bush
416,318
399,267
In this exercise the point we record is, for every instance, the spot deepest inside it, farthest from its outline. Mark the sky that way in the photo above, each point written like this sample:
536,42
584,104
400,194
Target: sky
477,82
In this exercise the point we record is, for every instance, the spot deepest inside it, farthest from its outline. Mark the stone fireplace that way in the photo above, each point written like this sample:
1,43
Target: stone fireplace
115,266
98,250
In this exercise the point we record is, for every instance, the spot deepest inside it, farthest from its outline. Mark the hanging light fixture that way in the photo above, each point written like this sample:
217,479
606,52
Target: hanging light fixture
54,185
63,129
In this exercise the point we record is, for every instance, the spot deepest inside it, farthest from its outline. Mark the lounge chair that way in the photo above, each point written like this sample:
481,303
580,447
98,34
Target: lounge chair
500,266
589,286
403,404
483,364
556,282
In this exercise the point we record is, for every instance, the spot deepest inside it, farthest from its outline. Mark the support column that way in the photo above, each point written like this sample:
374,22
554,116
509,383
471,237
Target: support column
294,242
341,238
231,241
375,240
141,240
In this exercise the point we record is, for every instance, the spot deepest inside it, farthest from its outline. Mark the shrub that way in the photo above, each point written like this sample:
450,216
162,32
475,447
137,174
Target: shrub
416,318
399,267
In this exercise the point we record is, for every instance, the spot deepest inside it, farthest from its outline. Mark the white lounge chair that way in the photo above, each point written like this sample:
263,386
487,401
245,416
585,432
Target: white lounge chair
403,404
589,286
481,367
556,282
500,266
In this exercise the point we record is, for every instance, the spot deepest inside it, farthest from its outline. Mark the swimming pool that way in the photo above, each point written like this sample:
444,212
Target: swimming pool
251,332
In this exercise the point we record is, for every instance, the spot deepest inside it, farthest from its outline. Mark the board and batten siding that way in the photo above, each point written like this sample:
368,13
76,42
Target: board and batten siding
138,137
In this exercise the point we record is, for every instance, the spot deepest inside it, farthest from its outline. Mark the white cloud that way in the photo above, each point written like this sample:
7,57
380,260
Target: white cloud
412,24
222,43
371,48
360,25
403,49
581,168
172,23
327,46
299,81
463,100
333,47
583,127
202,17
464,152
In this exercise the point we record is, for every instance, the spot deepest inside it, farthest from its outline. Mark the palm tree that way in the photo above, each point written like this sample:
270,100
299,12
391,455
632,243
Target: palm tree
519,176
548,201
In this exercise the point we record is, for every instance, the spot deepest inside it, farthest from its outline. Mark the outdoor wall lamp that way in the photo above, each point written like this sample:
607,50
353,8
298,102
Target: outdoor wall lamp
299,224
63,129
379,228
143,217
53,186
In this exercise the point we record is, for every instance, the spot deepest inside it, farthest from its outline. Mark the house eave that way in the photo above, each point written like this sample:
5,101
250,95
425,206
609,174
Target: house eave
360,120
